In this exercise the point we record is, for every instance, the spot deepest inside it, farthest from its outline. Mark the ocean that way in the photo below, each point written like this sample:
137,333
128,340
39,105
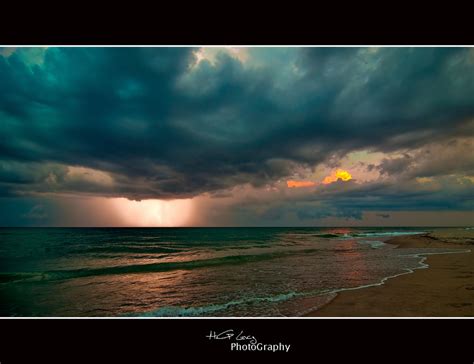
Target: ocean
176,272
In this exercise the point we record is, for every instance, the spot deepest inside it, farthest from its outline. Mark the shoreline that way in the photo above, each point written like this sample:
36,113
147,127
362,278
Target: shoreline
442,288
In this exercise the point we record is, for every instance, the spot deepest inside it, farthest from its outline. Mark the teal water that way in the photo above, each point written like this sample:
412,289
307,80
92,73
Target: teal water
190,271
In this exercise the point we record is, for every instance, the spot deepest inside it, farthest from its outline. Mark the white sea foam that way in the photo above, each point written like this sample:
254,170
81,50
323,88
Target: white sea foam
389,233
374,244
421,265
177,311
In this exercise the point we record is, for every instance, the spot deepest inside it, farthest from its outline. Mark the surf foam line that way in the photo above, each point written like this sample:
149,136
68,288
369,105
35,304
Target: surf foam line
375,234
422,265
180,311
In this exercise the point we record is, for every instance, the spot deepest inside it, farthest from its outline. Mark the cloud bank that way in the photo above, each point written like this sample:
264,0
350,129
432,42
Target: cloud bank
180,123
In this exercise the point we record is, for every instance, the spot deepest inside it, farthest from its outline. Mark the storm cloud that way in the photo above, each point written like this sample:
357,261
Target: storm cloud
168,123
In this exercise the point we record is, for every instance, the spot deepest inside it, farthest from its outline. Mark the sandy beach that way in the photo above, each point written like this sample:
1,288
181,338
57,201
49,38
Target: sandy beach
445,289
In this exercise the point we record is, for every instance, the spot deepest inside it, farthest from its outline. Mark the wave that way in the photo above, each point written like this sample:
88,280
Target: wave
148,268
179,311
129,249
327,235
374,244
11,277
368,234
376,234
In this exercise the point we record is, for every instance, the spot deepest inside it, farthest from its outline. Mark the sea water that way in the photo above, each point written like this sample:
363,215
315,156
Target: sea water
158,272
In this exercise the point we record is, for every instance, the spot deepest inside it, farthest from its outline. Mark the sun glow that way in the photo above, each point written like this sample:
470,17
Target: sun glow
153,212
298,184
338,174
210,54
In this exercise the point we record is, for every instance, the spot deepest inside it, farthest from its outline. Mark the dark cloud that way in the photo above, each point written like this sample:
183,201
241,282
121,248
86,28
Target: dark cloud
15,211
162,128
447,194
317,214
395,165
350,200
449,157
36,212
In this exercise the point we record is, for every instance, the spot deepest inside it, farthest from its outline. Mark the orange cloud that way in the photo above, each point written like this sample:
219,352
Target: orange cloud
338,174
298,184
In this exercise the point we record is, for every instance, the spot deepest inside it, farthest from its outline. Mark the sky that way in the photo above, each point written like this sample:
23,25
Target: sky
236,136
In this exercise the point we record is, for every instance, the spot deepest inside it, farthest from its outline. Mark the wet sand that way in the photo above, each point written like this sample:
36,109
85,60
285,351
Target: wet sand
445,289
